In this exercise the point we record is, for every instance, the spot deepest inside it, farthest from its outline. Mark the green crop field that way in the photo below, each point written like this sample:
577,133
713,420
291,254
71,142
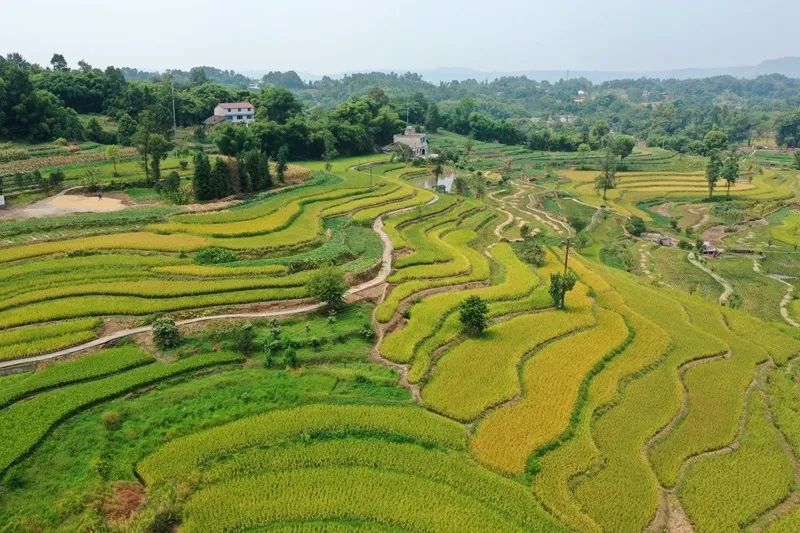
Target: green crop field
325,373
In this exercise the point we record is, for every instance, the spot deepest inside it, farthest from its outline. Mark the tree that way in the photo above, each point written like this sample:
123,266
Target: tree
55,179
433,119
112,153
713,171
797,159
622,145
165,333
201,182
560,285
281,163
126,128
608,179
600,131
328,286
438,170
730,171
159,149
59,63
472,313
460,185
715,141
220,184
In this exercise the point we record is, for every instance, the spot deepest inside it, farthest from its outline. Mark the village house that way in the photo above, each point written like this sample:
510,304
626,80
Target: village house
232,112
418,142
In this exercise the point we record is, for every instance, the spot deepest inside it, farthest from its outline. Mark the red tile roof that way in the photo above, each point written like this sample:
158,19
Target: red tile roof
237,105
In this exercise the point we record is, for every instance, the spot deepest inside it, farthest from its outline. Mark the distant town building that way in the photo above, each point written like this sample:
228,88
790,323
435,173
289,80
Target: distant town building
418,142
232,112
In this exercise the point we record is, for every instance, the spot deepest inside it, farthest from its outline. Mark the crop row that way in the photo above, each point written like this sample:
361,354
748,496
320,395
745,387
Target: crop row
551,382
24,424
394,226
715,392
179,458
386,498
279,219
45,345
416,237
727,492
624,494
443,466
87,367
419,197
18,336
83,306
580,454
428,315
478,271
482,372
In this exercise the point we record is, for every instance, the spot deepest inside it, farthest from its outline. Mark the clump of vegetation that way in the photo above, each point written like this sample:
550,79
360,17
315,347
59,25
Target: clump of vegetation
328,286
636,226
472,314
165,333
560,285
214,256
532,252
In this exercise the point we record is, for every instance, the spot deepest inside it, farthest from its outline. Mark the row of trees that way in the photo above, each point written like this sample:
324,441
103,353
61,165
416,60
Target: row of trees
248,173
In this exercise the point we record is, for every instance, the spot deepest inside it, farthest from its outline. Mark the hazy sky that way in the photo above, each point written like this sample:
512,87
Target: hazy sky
323,36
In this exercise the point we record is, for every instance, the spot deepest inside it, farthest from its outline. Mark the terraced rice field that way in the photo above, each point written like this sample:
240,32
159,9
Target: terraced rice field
637,406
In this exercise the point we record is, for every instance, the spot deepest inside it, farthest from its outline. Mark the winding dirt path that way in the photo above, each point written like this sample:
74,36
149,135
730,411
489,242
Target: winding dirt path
787,298
727,289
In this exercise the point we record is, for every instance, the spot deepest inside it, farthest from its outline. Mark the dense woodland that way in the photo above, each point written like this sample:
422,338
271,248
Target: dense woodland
358,113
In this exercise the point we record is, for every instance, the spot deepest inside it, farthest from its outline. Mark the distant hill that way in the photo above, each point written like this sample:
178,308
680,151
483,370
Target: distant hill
788,66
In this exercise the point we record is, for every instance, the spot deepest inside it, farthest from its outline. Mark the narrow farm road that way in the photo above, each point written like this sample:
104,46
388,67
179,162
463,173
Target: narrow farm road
727,289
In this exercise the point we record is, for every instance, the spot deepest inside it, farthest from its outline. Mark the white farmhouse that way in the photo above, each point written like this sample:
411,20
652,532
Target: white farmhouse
418,142
233,112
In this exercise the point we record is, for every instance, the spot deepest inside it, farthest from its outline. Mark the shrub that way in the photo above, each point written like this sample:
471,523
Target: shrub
111,419
578,223
472,314
165,333
328,286
213,256
636,226
532,253
245,337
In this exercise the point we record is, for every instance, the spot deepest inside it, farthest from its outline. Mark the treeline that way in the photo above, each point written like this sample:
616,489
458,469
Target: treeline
675,114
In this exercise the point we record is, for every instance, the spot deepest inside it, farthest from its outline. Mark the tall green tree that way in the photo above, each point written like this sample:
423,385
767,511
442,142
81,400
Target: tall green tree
201,182
713,172
560,285
473,313
281,163
59,63
730,171
433,119
220,179
159,149
608,177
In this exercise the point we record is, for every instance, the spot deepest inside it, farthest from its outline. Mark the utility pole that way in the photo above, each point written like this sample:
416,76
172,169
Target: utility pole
370,175
174,121
566,258
407,112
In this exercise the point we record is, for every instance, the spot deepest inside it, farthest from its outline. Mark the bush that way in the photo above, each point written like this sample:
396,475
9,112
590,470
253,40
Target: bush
328,286
165,333
578,223
111,419
245,337
532,253
473,314
636,226
213,256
